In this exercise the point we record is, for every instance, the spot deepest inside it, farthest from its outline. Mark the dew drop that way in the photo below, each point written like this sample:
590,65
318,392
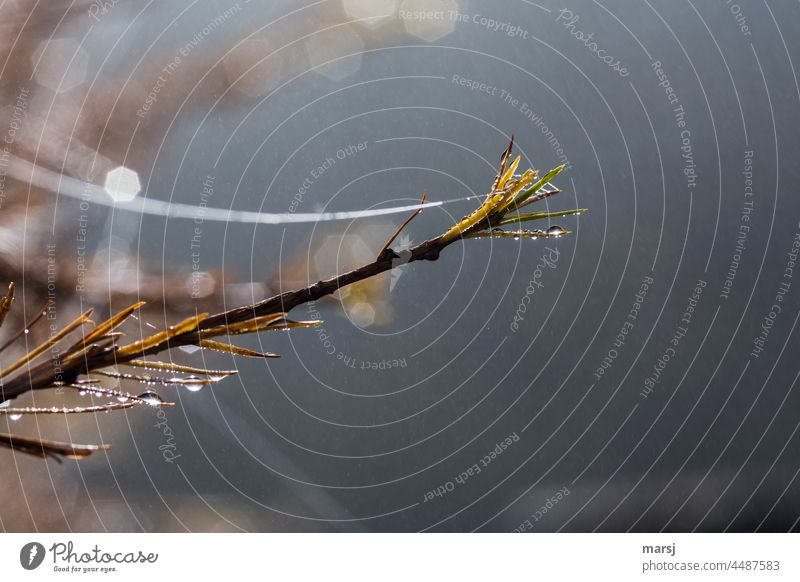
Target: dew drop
27,331
151,398
122,399
14,417
555,230
193,386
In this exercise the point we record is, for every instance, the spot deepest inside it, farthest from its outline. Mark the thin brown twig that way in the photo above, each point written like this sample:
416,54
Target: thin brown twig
405,224
5,303
26,328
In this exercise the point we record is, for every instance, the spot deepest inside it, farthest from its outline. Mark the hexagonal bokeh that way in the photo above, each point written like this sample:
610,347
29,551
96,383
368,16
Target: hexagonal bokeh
200,284
88,164
340,252
361,313
60,64
122,184
429,20
251,67
244,293
365,303
325,48
371,13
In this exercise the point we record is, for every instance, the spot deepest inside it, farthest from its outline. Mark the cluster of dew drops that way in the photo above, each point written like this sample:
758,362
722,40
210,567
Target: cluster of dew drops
192,383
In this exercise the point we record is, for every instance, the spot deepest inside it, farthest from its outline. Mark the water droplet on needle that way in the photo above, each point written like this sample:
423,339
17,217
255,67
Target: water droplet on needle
151,398
193,386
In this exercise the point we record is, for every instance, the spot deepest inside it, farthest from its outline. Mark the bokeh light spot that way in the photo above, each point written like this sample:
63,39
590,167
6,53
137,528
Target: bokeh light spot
371,13
122,184
61,64
335,53
429,20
